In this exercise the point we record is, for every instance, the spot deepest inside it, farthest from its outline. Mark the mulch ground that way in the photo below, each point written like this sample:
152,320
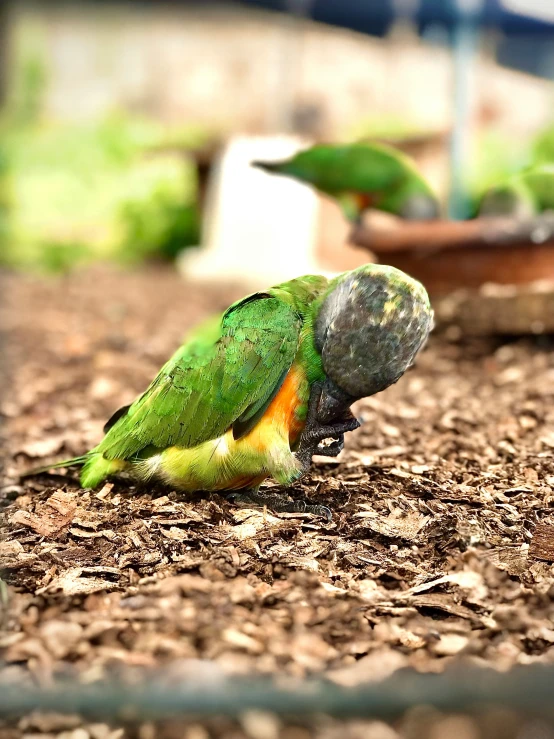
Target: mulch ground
441,547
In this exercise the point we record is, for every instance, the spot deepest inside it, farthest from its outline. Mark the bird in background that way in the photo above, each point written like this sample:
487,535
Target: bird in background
361,176
253,393
523,195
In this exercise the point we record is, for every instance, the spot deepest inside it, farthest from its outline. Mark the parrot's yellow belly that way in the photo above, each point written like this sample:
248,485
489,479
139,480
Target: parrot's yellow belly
226,463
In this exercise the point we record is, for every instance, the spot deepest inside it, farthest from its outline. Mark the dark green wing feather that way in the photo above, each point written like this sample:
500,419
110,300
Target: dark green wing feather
212,383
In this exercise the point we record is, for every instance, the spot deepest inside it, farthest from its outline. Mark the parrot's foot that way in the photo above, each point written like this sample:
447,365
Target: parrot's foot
279,503
333,449
315,431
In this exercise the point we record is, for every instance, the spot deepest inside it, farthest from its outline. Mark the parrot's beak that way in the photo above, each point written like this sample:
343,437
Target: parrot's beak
334,402
267,166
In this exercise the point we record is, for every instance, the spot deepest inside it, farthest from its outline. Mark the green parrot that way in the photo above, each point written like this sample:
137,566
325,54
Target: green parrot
523,195
254,393
361,176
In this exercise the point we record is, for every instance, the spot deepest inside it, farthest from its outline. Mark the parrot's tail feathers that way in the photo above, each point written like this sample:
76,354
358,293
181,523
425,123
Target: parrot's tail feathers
55,466
267,166
97,468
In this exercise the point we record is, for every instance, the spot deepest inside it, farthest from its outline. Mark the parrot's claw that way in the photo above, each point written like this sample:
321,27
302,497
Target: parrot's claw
331,450
310,442
315,431
279,503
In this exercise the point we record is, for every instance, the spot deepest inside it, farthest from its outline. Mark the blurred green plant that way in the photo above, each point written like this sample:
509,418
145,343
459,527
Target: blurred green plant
109,190
543,145
5,196
499,157
28,74
29,89
160,227
496,157
118,188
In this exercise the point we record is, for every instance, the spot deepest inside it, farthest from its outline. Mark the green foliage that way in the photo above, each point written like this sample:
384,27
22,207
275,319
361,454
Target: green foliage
543,146
496,158
59,256
159,226
5,197
29,92
28,75
74,193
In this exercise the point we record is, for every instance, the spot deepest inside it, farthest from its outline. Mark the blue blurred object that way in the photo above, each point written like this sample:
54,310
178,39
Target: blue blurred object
465,37
527,25
376,17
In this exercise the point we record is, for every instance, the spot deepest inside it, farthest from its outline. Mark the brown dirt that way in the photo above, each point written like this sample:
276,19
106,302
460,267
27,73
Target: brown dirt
441,546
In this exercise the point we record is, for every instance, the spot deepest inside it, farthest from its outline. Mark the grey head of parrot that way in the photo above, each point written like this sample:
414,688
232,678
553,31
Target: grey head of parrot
368,330
420,207
507,201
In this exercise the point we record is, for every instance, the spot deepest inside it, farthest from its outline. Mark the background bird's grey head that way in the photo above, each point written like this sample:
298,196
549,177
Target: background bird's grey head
503,201
369,329
420,207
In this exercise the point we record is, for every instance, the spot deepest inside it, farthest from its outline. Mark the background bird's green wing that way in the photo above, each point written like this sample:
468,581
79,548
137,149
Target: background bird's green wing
222,378
358,167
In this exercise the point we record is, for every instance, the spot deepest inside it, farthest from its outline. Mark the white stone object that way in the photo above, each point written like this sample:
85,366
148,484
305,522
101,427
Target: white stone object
259,228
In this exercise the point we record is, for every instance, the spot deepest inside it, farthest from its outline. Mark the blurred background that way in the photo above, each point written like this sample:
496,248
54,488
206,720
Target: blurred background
126,135
117,120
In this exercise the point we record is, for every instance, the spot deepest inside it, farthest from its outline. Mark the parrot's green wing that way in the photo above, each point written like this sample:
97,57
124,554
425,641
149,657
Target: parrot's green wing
213,383
357,167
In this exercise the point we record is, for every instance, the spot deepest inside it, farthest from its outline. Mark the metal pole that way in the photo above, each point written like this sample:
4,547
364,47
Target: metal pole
465,40
406,11
526,690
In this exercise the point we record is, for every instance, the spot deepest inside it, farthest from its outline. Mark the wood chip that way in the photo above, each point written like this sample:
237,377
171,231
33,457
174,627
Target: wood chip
79,581
50,518
441,531
542,543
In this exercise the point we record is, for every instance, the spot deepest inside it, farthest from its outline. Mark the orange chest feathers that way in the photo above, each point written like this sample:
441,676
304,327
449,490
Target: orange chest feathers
281,416
365,200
